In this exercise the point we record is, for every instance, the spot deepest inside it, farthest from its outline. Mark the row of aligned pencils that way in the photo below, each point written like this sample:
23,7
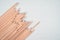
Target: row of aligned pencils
12,25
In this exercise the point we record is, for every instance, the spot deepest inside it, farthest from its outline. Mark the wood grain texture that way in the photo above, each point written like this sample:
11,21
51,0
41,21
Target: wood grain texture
13,26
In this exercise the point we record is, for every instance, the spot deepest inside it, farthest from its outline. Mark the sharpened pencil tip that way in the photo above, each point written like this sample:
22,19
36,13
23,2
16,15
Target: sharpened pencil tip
33,28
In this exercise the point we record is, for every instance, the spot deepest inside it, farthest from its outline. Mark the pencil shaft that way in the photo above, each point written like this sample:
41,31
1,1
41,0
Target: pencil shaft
19,31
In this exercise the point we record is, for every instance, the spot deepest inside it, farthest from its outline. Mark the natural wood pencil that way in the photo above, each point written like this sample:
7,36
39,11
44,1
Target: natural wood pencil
19,31
12,31
24,34
9,30
18,16
7,16
2,30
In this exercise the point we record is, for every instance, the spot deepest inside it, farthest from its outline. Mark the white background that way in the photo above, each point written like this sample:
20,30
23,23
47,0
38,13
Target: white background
46,11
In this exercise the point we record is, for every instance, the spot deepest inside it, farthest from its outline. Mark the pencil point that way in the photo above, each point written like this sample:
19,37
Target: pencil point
35,25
